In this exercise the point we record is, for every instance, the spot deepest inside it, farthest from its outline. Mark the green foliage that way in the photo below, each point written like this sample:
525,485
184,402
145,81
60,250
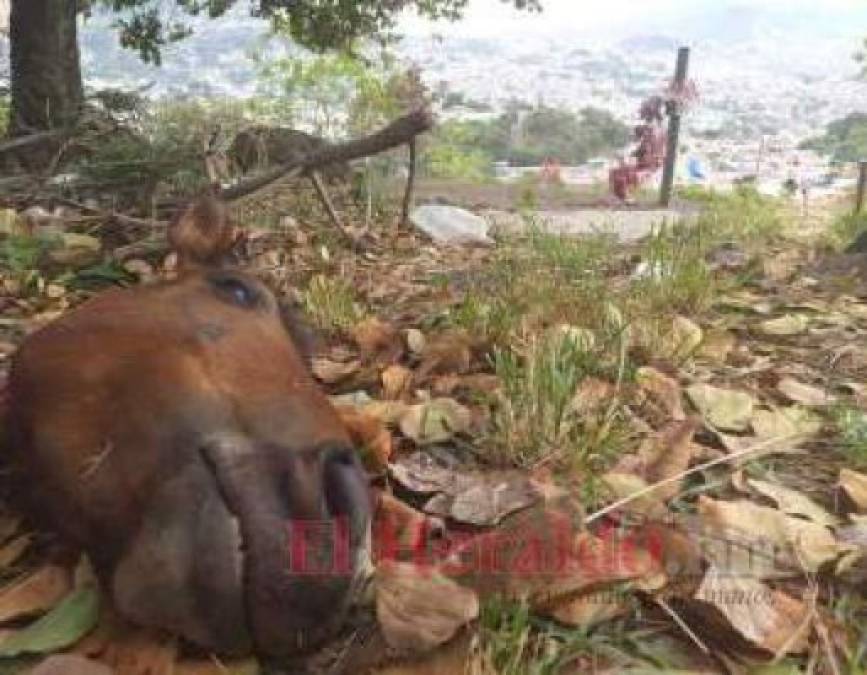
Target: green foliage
167,145
454,152
536,419
561,134
4,114
845,139
513,641
851,424
62,626
337,94
149,25
525,137
676,277
330,303
846,228
743,215
21,254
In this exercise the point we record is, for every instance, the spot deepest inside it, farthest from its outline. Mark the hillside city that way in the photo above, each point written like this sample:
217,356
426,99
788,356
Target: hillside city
761,93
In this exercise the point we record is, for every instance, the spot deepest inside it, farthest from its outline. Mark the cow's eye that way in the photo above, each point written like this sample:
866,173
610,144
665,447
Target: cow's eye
236,290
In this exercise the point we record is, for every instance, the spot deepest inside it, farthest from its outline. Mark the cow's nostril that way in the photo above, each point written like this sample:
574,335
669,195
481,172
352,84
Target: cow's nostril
340,456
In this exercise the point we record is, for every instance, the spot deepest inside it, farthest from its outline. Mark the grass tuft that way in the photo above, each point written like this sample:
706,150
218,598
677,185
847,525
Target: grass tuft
851,424
330,303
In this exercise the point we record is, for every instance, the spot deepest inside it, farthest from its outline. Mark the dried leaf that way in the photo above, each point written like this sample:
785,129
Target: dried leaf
756,539
471,497
34,593
593,563
71,664
415,341
664,388
686,335
387,412
797,392
717,345
795,422
139,651
784,326
487,503
9,523
623,484
592,396
722,408
589,610
331,372
395,381
12,550
793,503
447,353
668,454
372,335
855,486
419,609
459,657
369,435
767,618
402,523
215,666
435,421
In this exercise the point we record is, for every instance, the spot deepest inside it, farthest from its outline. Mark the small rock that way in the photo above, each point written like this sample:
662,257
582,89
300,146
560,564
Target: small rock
416,341
450,225
288,223
55,291
139,268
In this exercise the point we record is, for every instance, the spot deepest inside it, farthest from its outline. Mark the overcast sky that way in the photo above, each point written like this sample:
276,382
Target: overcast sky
490,17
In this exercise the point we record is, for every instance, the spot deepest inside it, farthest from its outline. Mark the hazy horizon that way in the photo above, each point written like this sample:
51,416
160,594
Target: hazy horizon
618,18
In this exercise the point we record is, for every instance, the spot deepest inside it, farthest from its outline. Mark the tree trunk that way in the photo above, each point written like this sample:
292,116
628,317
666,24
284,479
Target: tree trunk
47,91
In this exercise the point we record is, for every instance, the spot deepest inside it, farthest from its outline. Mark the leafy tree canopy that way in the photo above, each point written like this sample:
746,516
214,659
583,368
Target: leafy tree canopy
845,139
148,25
526,136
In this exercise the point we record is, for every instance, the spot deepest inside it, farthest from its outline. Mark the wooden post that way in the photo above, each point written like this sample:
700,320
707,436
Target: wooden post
409,195
673,130
759,158
862,185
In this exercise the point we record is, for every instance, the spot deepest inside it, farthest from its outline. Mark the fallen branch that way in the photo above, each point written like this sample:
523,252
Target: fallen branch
322,193
399,132
725,459
30,139
112,215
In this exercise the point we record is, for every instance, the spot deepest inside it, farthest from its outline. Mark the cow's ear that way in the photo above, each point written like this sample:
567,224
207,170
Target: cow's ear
203,234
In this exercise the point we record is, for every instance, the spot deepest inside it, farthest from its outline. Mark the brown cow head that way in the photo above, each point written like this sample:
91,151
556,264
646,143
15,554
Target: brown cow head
174,432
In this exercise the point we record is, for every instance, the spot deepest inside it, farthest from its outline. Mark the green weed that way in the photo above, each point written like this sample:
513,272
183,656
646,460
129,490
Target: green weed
851,424
536,419
846,228
330,303
512,641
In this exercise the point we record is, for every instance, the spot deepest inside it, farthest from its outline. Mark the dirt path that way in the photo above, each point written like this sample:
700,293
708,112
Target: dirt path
627,225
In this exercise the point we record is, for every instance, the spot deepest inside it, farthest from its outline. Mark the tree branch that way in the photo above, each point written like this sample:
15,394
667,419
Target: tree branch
397,133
